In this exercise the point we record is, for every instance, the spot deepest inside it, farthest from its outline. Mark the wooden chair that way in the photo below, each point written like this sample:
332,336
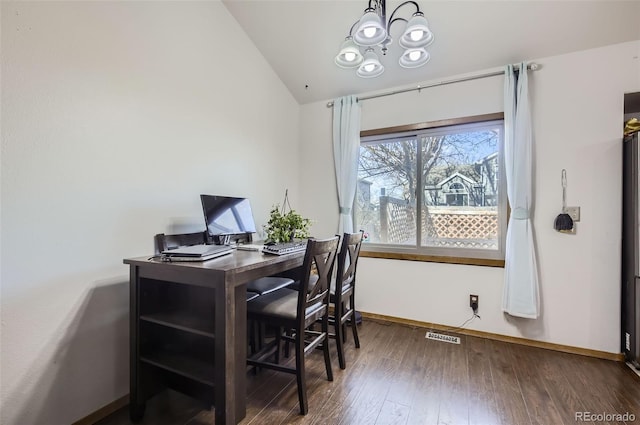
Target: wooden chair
343,296
288,309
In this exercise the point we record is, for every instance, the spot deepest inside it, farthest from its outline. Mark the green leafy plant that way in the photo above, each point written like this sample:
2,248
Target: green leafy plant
285,226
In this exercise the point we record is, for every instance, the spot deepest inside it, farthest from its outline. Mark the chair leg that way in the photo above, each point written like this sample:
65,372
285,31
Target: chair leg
354,325
344,325
260,337
255,339
278,337
339,332
252,337
325,347
286,344
300,373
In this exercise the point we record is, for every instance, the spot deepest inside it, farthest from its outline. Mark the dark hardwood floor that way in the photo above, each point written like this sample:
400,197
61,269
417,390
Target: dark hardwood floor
399,377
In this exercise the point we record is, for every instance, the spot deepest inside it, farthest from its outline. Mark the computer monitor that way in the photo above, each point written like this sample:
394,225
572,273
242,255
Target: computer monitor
227,216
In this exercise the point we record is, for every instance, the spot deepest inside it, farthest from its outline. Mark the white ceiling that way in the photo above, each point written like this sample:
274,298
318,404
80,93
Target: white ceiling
300,38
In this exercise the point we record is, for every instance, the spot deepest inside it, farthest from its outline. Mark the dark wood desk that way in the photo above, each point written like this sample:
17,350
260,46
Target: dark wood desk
188,328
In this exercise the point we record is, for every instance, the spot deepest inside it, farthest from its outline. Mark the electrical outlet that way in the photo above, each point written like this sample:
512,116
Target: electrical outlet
474,302
574,213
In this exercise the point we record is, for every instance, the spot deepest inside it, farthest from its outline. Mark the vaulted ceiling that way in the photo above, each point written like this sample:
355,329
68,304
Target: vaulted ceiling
300,38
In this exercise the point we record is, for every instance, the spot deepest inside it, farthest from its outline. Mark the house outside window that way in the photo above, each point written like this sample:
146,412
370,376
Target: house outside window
434,191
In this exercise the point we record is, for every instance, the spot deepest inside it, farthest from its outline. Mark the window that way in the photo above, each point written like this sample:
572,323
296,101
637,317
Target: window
434,192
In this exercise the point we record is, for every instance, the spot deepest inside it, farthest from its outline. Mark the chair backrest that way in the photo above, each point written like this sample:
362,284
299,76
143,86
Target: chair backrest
164,242
320,255
348,261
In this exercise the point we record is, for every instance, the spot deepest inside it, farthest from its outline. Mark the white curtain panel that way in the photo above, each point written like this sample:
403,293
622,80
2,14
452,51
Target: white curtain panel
346,148
521,292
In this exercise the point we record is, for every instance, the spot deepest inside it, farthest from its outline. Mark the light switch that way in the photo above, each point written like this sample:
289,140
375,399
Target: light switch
574,213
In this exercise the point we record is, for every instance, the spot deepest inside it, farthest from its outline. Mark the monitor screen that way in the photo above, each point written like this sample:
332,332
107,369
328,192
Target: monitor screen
225,215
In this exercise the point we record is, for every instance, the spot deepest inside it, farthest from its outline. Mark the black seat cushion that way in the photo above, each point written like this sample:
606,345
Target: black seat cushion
313,279
281,304
266,285
252,296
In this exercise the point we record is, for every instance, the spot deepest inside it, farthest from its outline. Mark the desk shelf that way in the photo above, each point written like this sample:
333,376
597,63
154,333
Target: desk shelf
183,365
185,353
177,334
182,320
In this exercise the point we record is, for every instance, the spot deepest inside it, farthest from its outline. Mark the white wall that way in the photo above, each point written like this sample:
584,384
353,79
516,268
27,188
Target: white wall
577,102
115,117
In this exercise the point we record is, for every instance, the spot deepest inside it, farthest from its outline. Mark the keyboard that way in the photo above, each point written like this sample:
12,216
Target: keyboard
285,248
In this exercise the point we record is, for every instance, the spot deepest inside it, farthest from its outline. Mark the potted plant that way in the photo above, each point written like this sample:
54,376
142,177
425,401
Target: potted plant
286,226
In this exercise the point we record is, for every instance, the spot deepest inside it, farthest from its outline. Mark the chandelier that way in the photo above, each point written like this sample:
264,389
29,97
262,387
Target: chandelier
373,30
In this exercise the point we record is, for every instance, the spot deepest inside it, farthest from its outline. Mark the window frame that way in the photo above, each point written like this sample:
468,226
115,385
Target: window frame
469,256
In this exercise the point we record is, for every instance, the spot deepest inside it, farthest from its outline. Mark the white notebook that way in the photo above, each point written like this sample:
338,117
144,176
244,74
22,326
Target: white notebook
197,251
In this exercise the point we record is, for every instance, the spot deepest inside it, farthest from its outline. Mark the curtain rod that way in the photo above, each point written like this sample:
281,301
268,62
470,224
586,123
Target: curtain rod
531,66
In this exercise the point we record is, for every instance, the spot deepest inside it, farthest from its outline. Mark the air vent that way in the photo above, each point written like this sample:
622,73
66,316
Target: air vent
627,341
443,338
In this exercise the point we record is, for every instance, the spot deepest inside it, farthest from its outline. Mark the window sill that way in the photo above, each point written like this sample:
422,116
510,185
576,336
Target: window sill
432,258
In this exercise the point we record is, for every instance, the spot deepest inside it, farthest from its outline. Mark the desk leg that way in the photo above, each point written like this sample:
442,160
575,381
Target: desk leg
231,354
136,406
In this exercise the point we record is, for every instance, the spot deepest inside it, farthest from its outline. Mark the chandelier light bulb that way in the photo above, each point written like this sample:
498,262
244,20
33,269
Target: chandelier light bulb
414,55
416,35
370,29
414,58
369,32
349,55
371,66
